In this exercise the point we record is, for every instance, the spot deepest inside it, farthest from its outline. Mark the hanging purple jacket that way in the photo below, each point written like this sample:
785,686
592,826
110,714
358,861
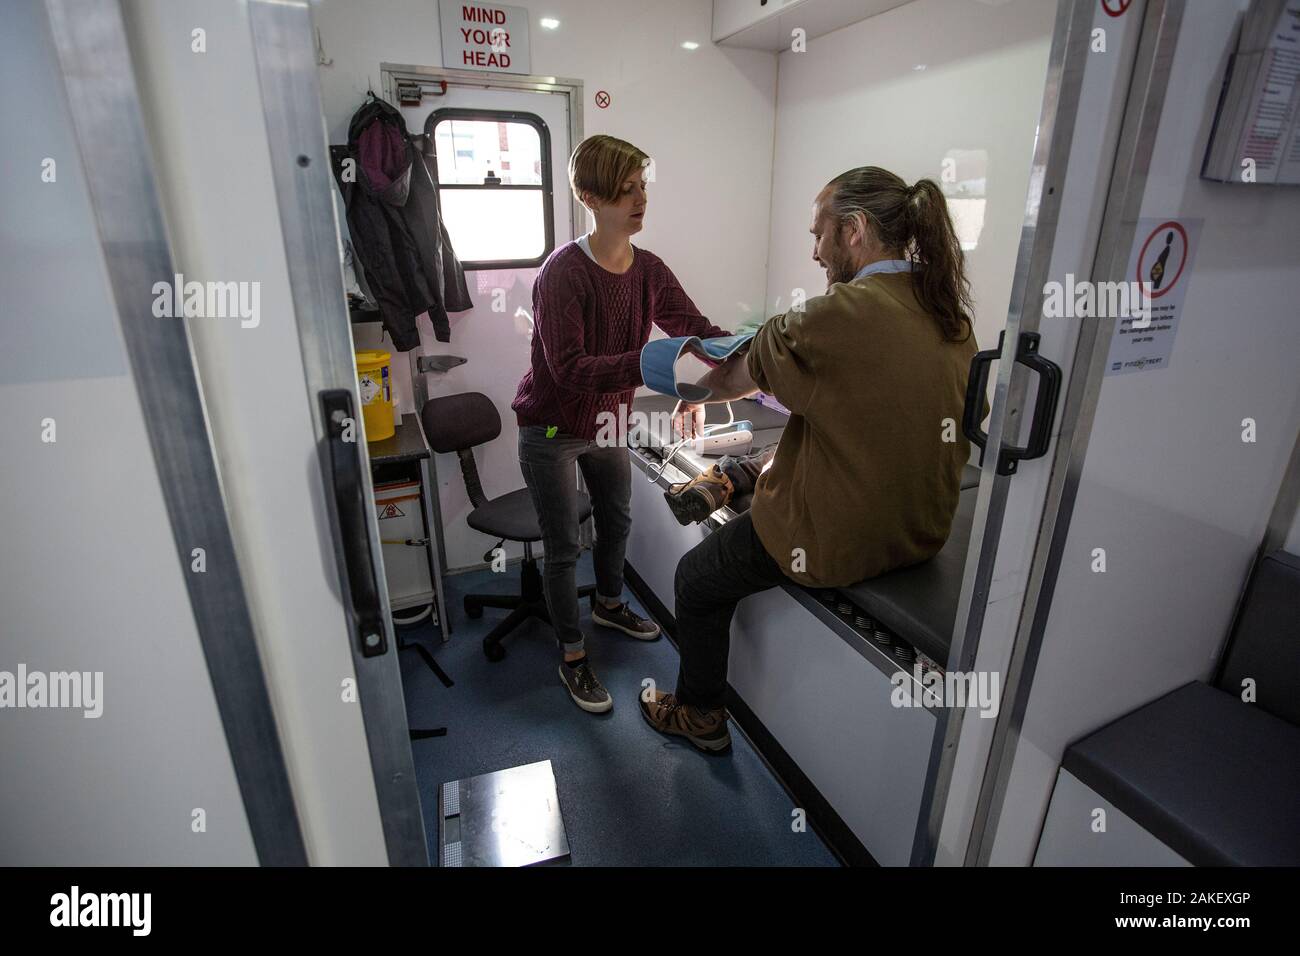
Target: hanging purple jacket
396,227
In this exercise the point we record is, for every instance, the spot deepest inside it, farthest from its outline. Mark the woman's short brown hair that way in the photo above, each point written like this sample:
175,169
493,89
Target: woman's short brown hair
600,164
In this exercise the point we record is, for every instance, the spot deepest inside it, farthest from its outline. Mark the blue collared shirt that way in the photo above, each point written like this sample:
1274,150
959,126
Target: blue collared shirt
885,266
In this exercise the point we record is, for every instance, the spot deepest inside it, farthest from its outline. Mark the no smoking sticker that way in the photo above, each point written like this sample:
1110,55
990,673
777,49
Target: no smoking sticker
1161,260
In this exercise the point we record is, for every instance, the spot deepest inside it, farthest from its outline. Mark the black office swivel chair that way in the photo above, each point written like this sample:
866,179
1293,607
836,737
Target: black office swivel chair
457,423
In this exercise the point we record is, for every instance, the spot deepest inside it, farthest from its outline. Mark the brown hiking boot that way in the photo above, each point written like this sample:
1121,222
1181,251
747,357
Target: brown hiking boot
698,498
706,729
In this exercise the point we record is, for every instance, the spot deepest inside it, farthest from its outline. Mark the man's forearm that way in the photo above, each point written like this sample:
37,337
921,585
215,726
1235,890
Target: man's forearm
729,381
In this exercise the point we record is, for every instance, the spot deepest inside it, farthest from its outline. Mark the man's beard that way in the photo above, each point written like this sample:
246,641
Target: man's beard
838,268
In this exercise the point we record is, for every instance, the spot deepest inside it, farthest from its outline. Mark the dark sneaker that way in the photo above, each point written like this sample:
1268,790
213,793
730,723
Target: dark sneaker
698,498
583,687
624,619
706,729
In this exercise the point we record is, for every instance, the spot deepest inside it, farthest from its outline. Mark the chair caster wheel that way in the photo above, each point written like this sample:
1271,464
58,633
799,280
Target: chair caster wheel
473,611
494,652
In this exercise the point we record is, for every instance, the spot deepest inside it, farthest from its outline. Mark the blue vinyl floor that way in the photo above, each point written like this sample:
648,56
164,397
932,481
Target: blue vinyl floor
629,796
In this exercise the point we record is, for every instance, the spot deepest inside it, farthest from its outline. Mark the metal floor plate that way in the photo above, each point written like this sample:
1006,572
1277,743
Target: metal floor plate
506,818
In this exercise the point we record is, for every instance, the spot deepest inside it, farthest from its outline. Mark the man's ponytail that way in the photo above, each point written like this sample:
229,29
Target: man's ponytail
941,282
914,221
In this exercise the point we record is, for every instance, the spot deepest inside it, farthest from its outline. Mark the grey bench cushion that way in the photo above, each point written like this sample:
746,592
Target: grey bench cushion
1215,779
919,603
1265,644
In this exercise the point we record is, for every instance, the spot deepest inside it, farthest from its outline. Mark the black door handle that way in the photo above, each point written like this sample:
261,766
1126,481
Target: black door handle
350,504
1049,390
976,388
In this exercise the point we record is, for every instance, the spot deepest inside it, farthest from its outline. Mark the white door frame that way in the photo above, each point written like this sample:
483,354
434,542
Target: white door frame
104,101
1145,88
1162,21
284,46
1010,396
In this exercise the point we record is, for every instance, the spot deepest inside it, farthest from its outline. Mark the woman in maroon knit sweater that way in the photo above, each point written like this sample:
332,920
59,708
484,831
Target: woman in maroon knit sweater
593,304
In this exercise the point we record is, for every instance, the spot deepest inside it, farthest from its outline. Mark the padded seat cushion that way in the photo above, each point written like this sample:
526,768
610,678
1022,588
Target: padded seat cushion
919,603
512,516
1265,644
1212,777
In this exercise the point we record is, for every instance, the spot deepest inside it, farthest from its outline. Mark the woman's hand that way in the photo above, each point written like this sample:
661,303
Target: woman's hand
688,420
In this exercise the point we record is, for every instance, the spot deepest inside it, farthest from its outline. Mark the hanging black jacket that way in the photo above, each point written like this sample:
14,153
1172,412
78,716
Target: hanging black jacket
396,226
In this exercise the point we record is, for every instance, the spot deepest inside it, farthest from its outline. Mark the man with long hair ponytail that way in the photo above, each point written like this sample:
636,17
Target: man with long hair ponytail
867,473
941,285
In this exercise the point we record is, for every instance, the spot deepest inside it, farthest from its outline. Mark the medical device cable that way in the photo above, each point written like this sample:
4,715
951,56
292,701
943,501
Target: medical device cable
652,475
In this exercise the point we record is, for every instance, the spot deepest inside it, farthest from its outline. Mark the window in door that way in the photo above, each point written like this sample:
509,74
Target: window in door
492,170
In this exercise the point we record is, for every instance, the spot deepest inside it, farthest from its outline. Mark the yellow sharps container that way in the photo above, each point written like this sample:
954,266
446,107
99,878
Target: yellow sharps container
373,382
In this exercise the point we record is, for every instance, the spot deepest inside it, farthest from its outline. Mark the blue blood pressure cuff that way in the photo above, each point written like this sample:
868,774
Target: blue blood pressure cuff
659,362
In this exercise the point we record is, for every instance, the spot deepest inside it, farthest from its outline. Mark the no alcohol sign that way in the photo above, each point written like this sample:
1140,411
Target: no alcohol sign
1161,261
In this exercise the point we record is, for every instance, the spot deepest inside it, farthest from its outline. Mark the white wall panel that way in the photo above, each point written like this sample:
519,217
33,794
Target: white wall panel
858,97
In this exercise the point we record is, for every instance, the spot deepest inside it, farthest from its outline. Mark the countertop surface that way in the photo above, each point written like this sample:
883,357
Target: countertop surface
405,444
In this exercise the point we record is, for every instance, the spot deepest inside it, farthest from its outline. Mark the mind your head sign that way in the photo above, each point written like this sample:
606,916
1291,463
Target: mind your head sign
484,36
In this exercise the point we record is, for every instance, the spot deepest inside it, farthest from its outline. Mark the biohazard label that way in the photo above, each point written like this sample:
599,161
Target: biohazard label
391,511
368,388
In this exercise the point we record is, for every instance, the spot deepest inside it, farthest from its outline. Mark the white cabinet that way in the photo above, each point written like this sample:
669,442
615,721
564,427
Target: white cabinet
769,24
833,712
730,17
